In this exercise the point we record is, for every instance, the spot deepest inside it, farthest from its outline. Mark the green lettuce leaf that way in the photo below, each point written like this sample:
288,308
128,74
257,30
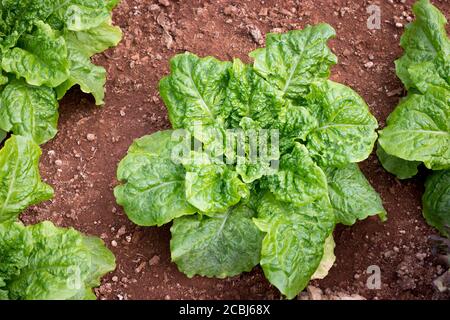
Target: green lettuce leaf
249,95
294,60
2,135
223,245
294,243
427,50
153,186
79,15
214,188
81,47
299,180
195,91
29,111
436,201
43,262
346,131
402,169
351,195
20,182
419,129
39,57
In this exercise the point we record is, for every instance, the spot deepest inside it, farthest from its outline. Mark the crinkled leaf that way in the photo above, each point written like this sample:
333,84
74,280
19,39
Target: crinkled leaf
223,245
153,186
299,180
249,95
292,61
29,111
40,57
419,129
294,243
436,201
44,262
214,188
346,131
79,15
427,49
20,182
295,124
95,40
195,91
402,169
351,195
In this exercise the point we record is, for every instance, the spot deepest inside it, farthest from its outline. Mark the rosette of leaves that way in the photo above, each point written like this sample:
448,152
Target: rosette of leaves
45,49
44,262
418,130
230,210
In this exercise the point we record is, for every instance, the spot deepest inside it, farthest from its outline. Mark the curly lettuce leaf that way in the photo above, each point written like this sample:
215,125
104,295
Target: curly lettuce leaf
419,129
213,188
299,180
152,189
20,182
195,91
346,131
294,243
294,60
402,169
351,195
29,111
250,96
43,262
426,60
222,245
436,201
39,57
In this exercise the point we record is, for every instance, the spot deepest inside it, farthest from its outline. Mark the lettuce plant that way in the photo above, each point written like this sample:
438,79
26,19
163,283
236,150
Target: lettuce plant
44,262
418,130
45,49
260,165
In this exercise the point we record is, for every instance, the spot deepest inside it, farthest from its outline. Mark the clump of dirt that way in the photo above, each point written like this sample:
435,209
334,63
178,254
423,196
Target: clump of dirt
81,162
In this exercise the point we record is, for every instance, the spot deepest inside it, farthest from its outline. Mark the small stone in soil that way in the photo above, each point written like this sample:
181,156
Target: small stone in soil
154,260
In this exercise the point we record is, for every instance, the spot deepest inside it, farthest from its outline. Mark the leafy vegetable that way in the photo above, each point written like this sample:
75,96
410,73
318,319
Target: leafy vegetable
20,182
43,262
258,152
45,49
419,128
436,201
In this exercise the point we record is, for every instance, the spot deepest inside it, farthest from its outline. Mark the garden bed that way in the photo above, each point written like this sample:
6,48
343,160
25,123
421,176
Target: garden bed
81,162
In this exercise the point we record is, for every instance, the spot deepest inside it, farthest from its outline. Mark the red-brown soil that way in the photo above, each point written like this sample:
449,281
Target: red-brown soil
153,32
